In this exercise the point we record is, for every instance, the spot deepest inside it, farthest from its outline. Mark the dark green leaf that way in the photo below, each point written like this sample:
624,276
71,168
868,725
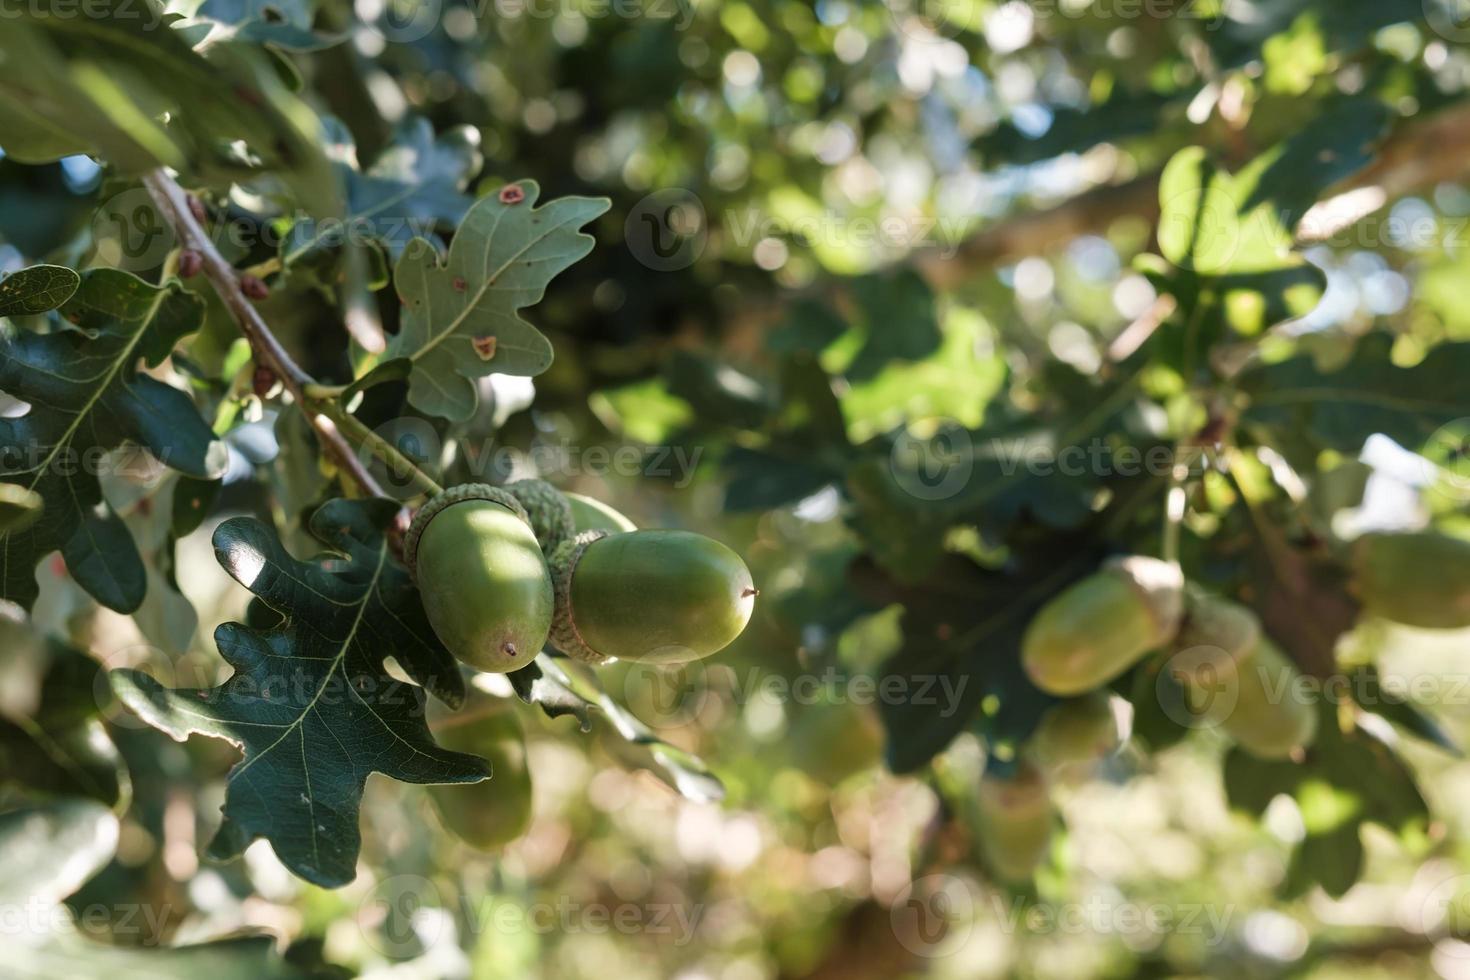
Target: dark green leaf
1339,409
899,319
39,289
118,82
87,396
311,702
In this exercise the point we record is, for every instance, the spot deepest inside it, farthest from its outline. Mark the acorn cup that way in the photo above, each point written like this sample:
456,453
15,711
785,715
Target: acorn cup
1015,822
490,814
648,596
1418,579
549,512
1099,627
1235,677
484,582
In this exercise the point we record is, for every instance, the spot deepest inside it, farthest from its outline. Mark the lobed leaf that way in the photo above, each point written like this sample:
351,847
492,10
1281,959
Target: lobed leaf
460,317
87,396
311,702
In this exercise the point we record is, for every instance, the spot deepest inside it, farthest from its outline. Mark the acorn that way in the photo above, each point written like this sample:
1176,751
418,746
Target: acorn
594,515
1418,579
1099,627
1076,733
550,514
648,596
1015,822
484,582
490,814
1235,677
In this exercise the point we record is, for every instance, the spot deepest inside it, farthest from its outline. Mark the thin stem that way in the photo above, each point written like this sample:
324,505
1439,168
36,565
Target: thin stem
173,204
1175,502
360,435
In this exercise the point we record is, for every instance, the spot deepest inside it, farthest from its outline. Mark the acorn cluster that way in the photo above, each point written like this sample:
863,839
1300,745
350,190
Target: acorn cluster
1228,672
504,570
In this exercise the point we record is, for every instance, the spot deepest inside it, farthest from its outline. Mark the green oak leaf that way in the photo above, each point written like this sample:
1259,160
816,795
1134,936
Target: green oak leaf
39,289
460,319
49,852
117,81
1303,407
282,23
86,397
311,702
414,189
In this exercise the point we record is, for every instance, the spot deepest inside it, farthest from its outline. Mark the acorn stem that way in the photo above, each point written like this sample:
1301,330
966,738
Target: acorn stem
364,438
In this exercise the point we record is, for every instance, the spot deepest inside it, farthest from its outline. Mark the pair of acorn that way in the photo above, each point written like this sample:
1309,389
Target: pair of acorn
1097,629
502,570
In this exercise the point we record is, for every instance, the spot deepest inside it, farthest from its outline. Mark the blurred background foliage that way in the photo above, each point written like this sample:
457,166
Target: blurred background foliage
899,223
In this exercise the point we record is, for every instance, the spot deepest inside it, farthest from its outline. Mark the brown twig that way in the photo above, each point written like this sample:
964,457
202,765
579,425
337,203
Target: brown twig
173,204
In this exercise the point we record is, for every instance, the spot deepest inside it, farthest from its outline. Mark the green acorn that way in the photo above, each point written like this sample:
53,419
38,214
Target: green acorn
1419,579
648,596
1236,677
550,514
490,814
1096,629
594,515
484,582
1076,733
1015,822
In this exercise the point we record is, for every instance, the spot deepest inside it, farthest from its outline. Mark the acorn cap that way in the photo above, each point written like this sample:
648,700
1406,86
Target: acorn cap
450,497
549,512
1161,586
564,634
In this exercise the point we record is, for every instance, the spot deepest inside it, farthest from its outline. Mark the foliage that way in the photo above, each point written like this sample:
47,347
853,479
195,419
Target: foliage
927,310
